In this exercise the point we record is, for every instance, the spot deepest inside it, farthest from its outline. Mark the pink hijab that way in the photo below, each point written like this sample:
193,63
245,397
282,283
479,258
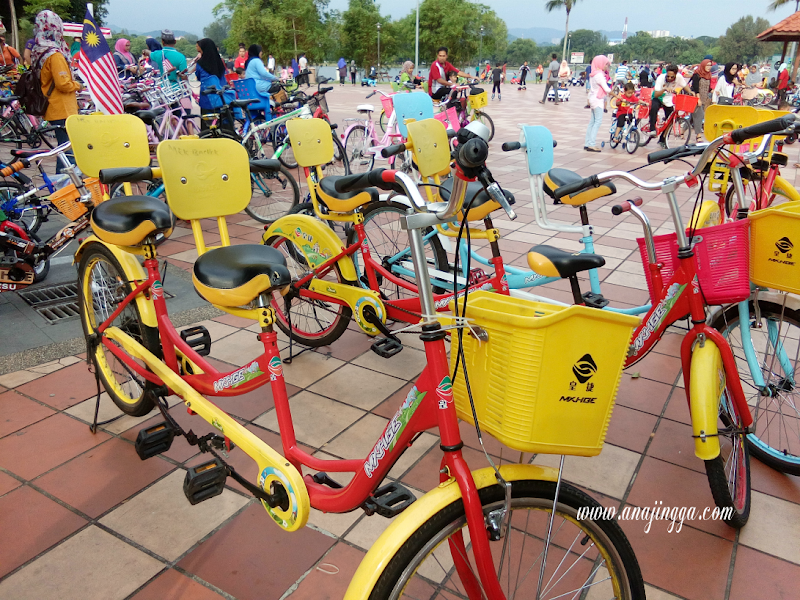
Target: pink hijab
120,47
600,63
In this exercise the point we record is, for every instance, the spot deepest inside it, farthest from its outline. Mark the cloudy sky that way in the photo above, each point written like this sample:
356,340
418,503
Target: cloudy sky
682,17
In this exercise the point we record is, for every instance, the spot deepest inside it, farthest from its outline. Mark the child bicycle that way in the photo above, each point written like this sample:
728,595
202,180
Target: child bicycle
126,324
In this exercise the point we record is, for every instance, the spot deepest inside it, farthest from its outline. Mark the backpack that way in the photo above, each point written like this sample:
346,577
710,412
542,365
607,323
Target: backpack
29,90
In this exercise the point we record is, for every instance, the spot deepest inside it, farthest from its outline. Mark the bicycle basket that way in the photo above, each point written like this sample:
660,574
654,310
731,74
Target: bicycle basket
546,379
318,100
478,101
773,235
684,102
280,96
388,105
721,256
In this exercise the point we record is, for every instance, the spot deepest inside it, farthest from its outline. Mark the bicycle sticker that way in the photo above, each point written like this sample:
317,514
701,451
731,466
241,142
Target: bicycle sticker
662,310
275,368
263,479
445,392
156,289
239,377
407,408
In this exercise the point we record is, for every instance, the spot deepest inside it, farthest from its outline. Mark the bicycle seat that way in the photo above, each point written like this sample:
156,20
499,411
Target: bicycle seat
362,108
553,262
149,116
483,203
236,275
128,220
243,102
343,202
555,178
8,100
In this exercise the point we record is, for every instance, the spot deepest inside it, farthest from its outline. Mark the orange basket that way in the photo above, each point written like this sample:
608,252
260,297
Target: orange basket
685,102
68,199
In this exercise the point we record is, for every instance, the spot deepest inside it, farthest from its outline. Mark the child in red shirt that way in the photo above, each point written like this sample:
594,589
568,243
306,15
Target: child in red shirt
626,102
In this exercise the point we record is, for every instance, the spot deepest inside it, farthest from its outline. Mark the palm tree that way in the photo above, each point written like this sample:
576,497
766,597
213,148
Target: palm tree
776,4
552,5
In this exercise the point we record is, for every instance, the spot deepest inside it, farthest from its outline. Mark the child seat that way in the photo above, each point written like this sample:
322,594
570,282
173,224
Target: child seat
246,90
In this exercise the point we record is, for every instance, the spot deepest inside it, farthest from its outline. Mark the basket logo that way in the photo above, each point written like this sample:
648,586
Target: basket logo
585,368
784,246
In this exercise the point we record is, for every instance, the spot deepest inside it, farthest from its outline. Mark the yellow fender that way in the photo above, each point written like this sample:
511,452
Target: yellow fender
709,215
133,271
385,548
707,383
785,189
317,241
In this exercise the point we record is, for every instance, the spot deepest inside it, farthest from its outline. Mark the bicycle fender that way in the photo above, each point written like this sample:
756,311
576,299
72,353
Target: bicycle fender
706,215
783,188
411,519
317,240
133,270
707,383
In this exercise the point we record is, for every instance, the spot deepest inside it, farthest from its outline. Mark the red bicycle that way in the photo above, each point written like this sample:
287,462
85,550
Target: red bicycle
676,127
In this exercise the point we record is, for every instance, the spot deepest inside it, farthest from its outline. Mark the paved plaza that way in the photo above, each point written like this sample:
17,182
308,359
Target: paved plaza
81,517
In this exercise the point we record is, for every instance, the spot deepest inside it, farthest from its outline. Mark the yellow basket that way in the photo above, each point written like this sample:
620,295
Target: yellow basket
478,101
774,233
68,199
546,379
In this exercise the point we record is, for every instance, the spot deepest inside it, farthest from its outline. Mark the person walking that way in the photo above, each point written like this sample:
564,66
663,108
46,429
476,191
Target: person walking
523,74
353,71
497,77
552,79
271,64
303,66
726,85
52,55
342,66
783,84
701,85
599,90
539,71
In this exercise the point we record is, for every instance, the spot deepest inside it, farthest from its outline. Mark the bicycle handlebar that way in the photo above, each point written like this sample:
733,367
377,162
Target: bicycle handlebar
571,188
125,174
737,136
670,154
626,206
509,146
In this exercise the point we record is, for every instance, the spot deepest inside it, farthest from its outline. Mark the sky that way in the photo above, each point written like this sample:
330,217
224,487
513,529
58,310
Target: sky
681,17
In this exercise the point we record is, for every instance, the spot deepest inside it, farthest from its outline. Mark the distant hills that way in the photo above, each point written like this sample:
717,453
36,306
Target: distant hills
156,33
548,35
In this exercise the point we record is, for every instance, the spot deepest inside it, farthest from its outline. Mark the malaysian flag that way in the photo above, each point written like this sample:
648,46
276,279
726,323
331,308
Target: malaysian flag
96,66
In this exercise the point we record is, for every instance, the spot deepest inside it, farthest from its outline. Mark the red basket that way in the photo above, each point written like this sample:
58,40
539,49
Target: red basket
721,256
685,102
388,106
646,95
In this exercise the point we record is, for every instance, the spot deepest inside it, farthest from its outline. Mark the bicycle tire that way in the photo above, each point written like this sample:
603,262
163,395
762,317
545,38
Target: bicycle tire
131,395
30,219
139,188
279,137
383,121
42,268
486,120
779,452
339,165
383,247
274,195
644,132
609,545
632,141
356,145
677,134
613,141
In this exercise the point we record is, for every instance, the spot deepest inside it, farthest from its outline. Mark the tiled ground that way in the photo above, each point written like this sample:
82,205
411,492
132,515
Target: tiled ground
82,517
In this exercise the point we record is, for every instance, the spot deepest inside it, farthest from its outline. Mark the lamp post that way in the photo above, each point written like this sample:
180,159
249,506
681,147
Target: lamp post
379,49
416,41
480,52
569,46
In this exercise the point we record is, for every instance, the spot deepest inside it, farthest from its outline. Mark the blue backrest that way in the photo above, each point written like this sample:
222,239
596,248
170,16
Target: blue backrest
416,105
246,90
539,142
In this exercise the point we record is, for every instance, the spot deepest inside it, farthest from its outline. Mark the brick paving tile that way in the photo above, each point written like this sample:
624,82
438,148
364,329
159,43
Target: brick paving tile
673,443
749,580
8,483
63,388
175,586
19,412
329,579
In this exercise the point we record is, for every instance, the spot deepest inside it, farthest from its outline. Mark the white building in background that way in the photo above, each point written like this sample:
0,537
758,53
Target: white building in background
658,33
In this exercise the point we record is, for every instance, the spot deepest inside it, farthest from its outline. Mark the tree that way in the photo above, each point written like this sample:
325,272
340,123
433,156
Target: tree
72,11
218,30
740,42
776,4
552,5
360,32
520,50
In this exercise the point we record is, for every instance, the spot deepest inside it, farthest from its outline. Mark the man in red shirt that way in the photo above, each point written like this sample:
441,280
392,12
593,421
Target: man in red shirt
438,85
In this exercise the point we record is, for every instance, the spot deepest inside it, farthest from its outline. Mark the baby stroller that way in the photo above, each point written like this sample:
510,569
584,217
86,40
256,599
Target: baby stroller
563,94
368,81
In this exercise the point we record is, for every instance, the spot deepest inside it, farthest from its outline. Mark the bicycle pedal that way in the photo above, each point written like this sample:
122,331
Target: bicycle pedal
198,339
325,479
593,300
205,481
154,440
389,500
386,347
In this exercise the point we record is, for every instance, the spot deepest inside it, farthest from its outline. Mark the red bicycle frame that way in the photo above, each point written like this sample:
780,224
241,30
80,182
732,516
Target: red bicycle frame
428,405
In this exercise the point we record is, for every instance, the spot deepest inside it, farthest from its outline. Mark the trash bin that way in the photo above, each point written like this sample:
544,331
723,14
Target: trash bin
312,75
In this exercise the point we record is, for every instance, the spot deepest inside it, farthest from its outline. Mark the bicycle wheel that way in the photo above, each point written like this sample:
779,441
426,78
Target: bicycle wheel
644,130
486,120
139,188
42,268
274,195
775,334
632,141
383,121
356,147
314,322
678,133
614,141
103,285
279,137
585,556
29,216
339,165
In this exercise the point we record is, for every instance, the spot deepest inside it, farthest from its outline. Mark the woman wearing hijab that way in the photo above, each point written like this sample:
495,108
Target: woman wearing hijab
154,46
254,69
726,84
295,69
51,54
342,66
210,72
701,85
126,64
783,83
407,74
598,91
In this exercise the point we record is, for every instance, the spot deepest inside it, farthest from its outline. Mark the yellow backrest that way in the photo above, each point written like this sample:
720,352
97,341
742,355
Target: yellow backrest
311,141
108,141
720,119
428,141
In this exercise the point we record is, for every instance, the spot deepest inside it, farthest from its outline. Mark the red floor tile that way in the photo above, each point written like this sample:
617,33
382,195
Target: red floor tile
252,558
330,578
388,407
673,443
19,412
46,444
63,388
768,480
173,585
171,247
234,321
658,367
349,346
8,483
630,428
758,576
642,394
31,523
103,477
678,408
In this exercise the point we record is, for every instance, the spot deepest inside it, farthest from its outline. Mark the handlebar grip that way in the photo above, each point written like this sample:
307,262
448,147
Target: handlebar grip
509,146
265,165
578,186
759,129
626,206
393,150
325,90
660,155
122,174
381,178
14,167
371,95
